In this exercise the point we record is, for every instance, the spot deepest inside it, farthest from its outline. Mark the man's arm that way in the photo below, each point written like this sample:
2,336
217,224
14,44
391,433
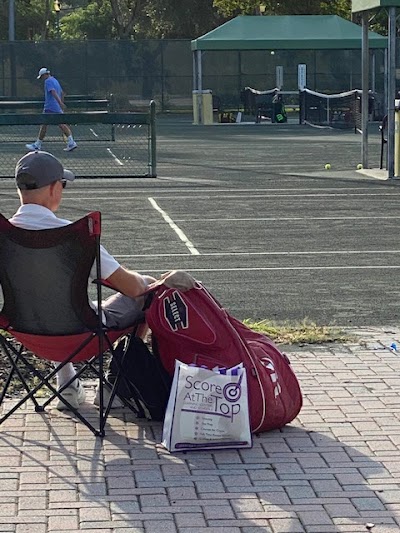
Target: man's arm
133,284
60,102
128,282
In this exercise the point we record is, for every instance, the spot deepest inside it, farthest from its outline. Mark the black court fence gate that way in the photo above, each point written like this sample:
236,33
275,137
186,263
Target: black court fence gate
110,144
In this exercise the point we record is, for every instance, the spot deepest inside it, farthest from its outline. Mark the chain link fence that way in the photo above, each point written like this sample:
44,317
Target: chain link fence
137,71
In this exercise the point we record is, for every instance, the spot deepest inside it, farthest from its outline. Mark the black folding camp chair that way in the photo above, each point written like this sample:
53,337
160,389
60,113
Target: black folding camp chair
44,278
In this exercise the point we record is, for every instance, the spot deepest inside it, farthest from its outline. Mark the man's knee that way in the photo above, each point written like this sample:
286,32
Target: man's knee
122,311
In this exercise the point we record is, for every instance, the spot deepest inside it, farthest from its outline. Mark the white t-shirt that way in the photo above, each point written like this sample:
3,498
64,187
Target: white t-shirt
33,216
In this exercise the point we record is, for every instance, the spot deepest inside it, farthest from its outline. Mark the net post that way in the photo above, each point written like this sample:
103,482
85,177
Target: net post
302,103
328,113
152,140
111,109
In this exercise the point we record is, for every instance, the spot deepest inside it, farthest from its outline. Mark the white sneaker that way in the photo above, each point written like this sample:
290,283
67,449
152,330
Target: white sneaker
74,394
117,403
34,146
70,147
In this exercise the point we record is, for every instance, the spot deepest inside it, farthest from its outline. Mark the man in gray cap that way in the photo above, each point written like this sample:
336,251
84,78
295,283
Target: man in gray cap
40,179
53,103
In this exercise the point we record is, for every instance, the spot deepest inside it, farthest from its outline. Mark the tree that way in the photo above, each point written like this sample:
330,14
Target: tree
128,19
31,19
126,13
170,19
179,19
94,21
284,7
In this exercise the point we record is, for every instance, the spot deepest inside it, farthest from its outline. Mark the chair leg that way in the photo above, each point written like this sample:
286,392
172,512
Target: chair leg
133,403
15,357
18,361
44,381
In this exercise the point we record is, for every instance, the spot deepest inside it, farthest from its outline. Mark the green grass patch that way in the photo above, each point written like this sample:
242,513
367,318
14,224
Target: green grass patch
304,332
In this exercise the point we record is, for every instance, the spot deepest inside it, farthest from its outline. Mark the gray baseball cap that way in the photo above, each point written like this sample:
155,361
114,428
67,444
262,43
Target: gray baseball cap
38,169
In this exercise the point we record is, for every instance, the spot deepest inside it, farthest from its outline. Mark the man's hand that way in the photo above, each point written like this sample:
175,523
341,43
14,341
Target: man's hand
178,279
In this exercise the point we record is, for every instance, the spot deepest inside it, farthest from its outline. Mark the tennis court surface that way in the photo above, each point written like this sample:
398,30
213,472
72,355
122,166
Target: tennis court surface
251,211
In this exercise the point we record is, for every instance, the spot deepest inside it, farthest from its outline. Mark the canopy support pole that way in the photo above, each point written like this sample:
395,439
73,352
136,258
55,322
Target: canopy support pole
198,82
391,89
365,88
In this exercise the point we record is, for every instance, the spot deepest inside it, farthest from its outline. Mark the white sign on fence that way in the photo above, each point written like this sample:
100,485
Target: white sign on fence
302,76
279,77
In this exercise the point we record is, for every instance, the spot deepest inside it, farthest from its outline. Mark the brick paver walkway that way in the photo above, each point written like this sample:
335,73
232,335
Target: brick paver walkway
336,468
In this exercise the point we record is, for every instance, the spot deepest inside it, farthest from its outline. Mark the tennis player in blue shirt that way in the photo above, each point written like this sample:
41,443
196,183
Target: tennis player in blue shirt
53,103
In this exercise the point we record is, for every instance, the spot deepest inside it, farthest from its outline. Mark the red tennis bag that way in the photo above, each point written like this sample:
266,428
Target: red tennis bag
193,328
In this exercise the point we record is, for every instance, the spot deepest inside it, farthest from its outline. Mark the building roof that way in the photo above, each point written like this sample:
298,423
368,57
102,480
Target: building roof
365,5
288,32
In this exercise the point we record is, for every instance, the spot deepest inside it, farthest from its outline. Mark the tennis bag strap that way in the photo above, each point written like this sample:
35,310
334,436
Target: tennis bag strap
193,328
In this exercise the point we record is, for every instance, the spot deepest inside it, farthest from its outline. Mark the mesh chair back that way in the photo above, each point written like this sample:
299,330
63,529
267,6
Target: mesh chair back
44,276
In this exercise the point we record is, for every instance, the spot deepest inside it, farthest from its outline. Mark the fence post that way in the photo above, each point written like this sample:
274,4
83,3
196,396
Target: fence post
111,109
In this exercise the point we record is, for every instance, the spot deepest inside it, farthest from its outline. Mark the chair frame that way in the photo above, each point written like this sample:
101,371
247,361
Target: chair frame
93,358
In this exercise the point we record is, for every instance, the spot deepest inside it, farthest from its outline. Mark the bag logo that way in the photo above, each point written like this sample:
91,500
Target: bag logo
208,397
176,312
269,365
233,391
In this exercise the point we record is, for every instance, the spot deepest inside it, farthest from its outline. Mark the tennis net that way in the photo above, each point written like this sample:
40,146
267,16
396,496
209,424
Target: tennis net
109,144
341,110
255,102
74,104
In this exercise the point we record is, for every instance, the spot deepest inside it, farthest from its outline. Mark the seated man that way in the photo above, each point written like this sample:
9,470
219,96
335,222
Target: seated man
40,179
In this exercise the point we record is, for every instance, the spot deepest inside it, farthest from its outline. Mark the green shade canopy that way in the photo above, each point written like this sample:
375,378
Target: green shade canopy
364,5
289,32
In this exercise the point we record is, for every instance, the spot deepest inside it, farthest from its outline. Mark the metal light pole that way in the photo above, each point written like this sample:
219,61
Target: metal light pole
11,20
11,38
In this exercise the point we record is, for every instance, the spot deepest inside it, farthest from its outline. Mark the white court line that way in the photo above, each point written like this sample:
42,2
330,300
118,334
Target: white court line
232,190
117,160
232,254
117,191
316,195
283,219
172,225
189,180
240,269
214,195
94,133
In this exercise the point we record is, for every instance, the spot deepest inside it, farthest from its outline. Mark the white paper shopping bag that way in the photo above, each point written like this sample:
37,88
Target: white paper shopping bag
207,409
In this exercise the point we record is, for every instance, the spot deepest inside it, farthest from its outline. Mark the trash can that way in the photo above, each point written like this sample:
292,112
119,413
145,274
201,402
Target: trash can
202,107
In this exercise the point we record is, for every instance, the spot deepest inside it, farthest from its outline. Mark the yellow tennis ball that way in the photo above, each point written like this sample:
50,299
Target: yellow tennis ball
359,166
327,166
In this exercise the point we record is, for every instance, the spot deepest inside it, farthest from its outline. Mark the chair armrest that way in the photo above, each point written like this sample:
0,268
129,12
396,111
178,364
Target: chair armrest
104,283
